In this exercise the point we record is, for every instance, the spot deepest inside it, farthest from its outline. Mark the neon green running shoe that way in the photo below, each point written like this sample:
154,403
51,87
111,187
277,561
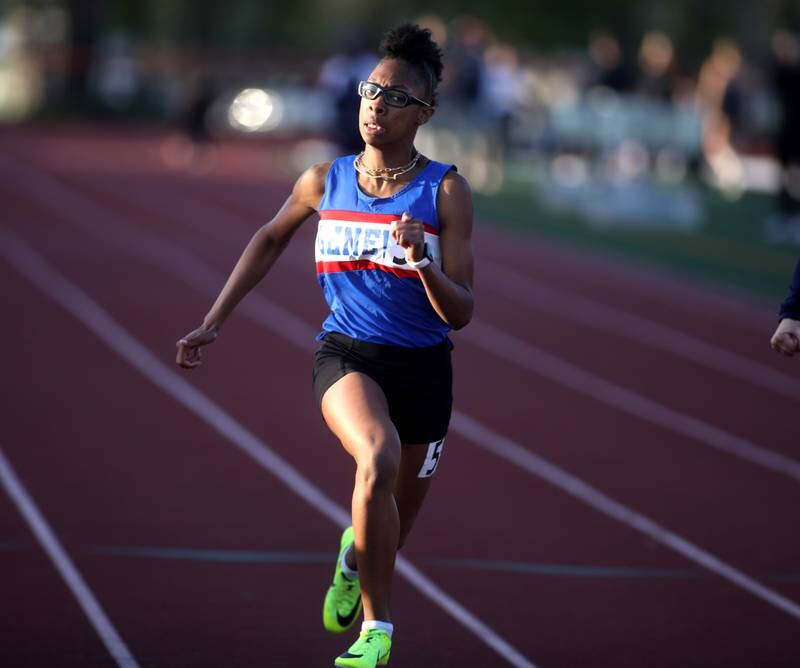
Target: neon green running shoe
343,601
372,649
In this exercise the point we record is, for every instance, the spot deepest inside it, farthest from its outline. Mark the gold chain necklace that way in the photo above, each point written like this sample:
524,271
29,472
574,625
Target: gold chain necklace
386,173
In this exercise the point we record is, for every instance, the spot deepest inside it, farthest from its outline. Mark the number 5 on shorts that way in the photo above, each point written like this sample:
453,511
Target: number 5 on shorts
431,460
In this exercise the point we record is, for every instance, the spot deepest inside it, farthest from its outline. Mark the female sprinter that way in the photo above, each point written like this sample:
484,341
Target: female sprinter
394,260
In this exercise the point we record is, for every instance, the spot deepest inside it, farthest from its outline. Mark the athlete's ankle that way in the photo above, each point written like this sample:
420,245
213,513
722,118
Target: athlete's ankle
369,624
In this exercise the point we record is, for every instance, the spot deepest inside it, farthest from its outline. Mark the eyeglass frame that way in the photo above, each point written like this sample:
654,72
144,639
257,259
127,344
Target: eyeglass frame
411,98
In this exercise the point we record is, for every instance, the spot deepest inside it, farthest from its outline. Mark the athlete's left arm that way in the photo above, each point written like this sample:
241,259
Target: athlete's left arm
449,288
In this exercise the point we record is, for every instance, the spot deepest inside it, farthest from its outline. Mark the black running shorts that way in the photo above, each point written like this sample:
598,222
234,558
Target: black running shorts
417,382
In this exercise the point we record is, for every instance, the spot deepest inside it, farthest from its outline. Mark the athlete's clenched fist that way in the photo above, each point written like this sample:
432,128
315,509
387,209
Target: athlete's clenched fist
786,338
409,233
189,346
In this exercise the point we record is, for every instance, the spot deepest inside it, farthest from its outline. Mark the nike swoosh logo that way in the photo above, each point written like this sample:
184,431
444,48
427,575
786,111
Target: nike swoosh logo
349,617
347,655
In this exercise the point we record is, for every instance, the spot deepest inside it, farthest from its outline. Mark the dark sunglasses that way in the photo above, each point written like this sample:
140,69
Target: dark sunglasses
391,96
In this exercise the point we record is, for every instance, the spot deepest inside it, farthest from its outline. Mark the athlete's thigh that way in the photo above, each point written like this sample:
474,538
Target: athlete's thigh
356,411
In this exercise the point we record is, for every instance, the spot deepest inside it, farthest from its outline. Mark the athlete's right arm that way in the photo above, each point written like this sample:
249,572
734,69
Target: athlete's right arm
259,255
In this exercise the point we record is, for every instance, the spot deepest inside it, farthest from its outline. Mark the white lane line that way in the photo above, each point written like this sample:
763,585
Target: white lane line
69,573
461,423
189,268
642,331
75,301
517,352
519,456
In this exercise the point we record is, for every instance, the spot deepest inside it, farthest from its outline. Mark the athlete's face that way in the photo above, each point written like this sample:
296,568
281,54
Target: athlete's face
381,124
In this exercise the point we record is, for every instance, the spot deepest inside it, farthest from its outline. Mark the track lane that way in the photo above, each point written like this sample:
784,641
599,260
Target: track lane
153,593
41,620
645,439
730,315
682,387
91,269
715,585
130,487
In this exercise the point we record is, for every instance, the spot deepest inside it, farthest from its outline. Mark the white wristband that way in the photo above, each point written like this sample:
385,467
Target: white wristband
424,262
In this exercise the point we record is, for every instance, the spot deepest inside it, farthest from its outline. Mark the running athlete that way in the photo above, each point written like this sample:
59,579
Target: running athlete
786,338
395,263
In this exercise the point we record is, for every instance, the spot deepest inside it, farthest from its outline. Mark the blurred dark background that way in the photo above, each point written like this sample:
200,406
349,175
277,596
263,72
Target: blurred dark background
653,129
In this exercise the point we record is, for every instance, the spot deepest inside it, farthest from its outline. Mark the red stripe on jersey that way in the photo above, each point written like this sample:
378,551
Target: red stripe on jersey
361,217
358,216
355,265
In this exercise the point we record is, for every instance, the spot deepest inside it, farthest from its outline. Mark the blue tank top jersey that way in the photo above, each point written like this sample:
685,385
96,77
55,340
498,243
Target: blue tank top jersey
372,294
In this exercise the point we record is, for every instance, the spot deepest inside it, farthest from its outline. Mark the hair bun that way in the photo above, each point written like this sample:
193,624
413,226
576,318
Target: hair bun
415,46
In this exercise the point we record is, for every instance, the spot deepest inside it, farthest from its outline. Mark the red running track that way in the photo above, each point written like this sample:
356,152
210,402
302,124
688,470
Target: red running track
201,557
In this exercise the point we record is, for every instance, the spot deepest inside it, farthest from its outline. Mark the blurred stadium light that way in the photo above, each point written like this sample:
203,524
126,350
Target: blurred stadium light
255,110
282,111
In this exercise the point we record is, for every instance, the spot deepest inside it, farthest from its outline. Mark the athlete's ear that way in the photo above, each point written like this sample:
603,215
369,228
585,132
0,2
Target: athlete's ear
424,115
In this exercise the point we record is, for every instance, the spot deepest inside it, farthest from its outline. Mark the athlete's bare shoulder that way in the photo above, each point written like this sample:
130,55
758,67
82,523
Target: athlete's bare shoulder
310,186
456,186
455,203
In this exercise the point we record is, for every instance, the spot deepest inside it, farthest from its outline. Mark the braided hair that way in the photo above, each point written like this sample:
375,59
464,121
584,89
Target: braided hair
415,46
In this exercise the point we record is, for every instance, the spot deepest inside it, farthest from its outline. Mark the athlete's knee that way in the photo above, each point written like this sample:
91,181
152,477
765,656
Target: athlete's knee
377,471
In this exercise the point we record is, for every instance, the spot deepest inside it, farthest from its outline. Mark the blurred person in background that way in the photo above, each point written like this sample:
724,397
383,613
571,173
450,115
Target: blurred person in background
465,60
394,260
501,88
785,225
339,76
84,31
720,105
786,338
608,64
192,146
657,67
195,117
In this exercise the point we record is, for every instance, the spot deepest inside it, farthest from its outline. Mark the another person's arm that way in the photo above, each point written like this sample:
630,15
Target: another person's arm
786,338
449,288
258,257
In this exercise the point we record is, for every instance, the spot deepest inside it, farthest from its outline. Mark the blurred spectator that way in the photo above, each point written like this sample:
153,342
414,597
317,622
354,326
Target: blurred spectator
719,101
500,88
786,49
84,31
657,67
191,147
608,64
113,78
339,76
465,60
195,117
